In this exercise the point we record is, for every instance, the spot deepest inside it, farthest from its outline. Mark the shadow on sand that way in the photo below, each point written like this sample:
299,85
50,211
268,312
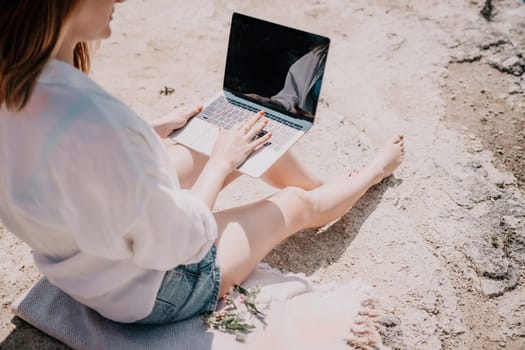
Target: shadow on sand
309,250
25,337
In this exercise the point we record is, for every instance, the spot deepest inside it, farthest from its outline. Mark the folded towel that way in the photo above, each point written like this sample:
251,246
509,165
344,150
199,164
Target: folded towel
300,314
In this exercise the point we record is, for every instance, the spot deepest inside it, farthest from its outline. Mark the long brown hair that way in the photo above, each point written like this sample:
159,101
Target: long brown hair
31,31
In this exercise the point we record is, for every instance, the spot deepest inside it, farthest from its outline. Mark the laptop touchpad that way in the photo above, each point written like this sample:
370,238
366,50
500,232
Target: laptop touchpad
207,140
193,130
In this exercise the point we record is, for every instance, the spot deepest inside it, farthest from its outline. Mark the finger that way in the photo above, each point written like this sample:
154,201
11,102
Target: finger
245,126
256,129
250,123
258,143
193,112
369,312
240,126
399,138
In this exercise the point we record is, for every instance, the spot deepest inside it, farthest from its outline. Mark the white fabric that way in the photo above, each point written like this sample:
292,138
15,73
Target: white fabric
300,79
89,186
299,316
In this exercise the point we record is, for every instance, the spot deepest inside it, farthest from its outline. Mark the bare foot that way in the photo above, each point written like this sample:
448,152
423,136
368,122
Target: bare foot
388,158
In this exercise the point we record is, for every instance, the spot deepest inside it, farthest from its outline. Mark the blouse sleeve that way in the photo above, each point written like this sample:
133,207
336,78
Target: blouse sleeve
122,201
288,96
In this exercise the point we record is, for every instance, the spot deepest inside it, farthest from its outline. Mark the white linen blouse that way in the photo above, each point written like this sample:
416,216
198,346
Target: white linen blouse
89,186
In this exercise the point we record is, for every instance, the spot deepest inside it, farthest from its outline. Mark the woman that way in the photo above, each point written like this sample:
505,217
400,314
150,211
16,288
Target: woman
302,84
90,187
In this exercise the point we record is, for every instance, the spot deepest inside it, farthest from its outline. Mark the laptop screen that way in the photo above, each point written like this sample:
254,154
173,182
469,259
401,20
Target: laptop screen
276,66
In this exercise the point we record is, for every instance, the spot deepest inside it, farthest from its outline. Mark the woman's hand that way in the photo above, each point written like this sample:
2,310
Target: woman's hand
231,149
166,125
234,145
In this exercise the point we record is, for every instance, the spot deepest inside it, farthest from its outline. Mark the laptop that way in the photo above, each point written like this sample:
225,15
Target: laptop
269,67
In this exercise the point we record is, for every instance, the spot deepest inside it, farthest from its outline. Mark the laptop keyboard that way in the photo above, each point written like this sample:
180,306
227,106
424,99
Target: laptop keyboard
226,112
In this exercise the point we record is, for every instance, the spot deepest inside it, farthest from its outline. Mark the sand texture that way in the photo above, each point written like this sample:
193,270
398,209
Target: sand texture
443,240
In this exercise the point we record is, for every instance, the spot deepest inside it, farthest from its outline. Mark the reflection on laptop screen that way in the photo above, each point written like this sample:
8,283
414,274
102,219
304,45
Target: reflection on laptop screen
276,66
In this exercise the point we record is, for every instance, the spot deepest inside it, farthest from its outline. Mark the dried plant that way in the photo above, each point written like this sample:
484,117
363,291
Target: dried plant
240,303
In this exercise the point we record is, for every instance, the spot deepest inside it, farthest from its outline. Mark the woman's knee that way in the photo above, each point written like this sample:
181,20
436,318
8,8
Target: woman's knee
299,205
188,164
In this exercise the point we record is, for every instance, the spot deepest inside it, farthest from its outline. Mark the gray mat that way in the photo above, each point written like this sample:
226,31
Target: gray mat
55,313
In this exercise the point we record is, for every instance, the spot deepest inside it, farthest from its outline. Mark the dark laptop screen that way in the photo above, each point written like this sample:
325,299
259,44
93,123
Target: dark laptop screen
276,66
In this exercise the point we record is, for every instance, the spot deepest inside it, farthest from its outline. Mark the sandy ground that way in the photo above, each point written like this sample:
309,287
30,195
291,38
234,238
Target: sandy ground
443,241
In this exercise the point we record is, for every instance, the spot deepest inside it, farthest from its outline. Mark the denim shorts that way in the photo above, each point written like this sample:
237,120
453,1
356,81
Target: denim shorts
187,291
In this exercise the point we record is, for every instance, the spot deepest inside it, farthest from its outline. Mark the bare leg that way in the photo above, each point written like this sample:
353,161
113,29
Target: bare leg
287,171
189,165
248,233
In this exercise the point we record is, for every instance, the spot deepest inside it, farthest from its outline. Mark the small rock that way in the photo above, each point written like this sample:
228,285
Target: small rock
476,164
503,180
514,65
509,221
487,9
465,57
488,45
391,332
495,288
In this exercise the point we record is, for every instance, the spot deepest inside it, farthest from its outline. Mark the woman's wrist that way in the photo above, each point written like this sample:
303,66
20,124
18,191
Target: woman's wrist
162,128
210,181
218,167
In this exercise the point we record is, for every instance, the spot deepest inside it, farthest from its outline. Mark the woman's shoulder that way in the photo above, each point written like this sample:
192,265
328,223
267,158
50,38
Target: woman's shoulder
80,100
